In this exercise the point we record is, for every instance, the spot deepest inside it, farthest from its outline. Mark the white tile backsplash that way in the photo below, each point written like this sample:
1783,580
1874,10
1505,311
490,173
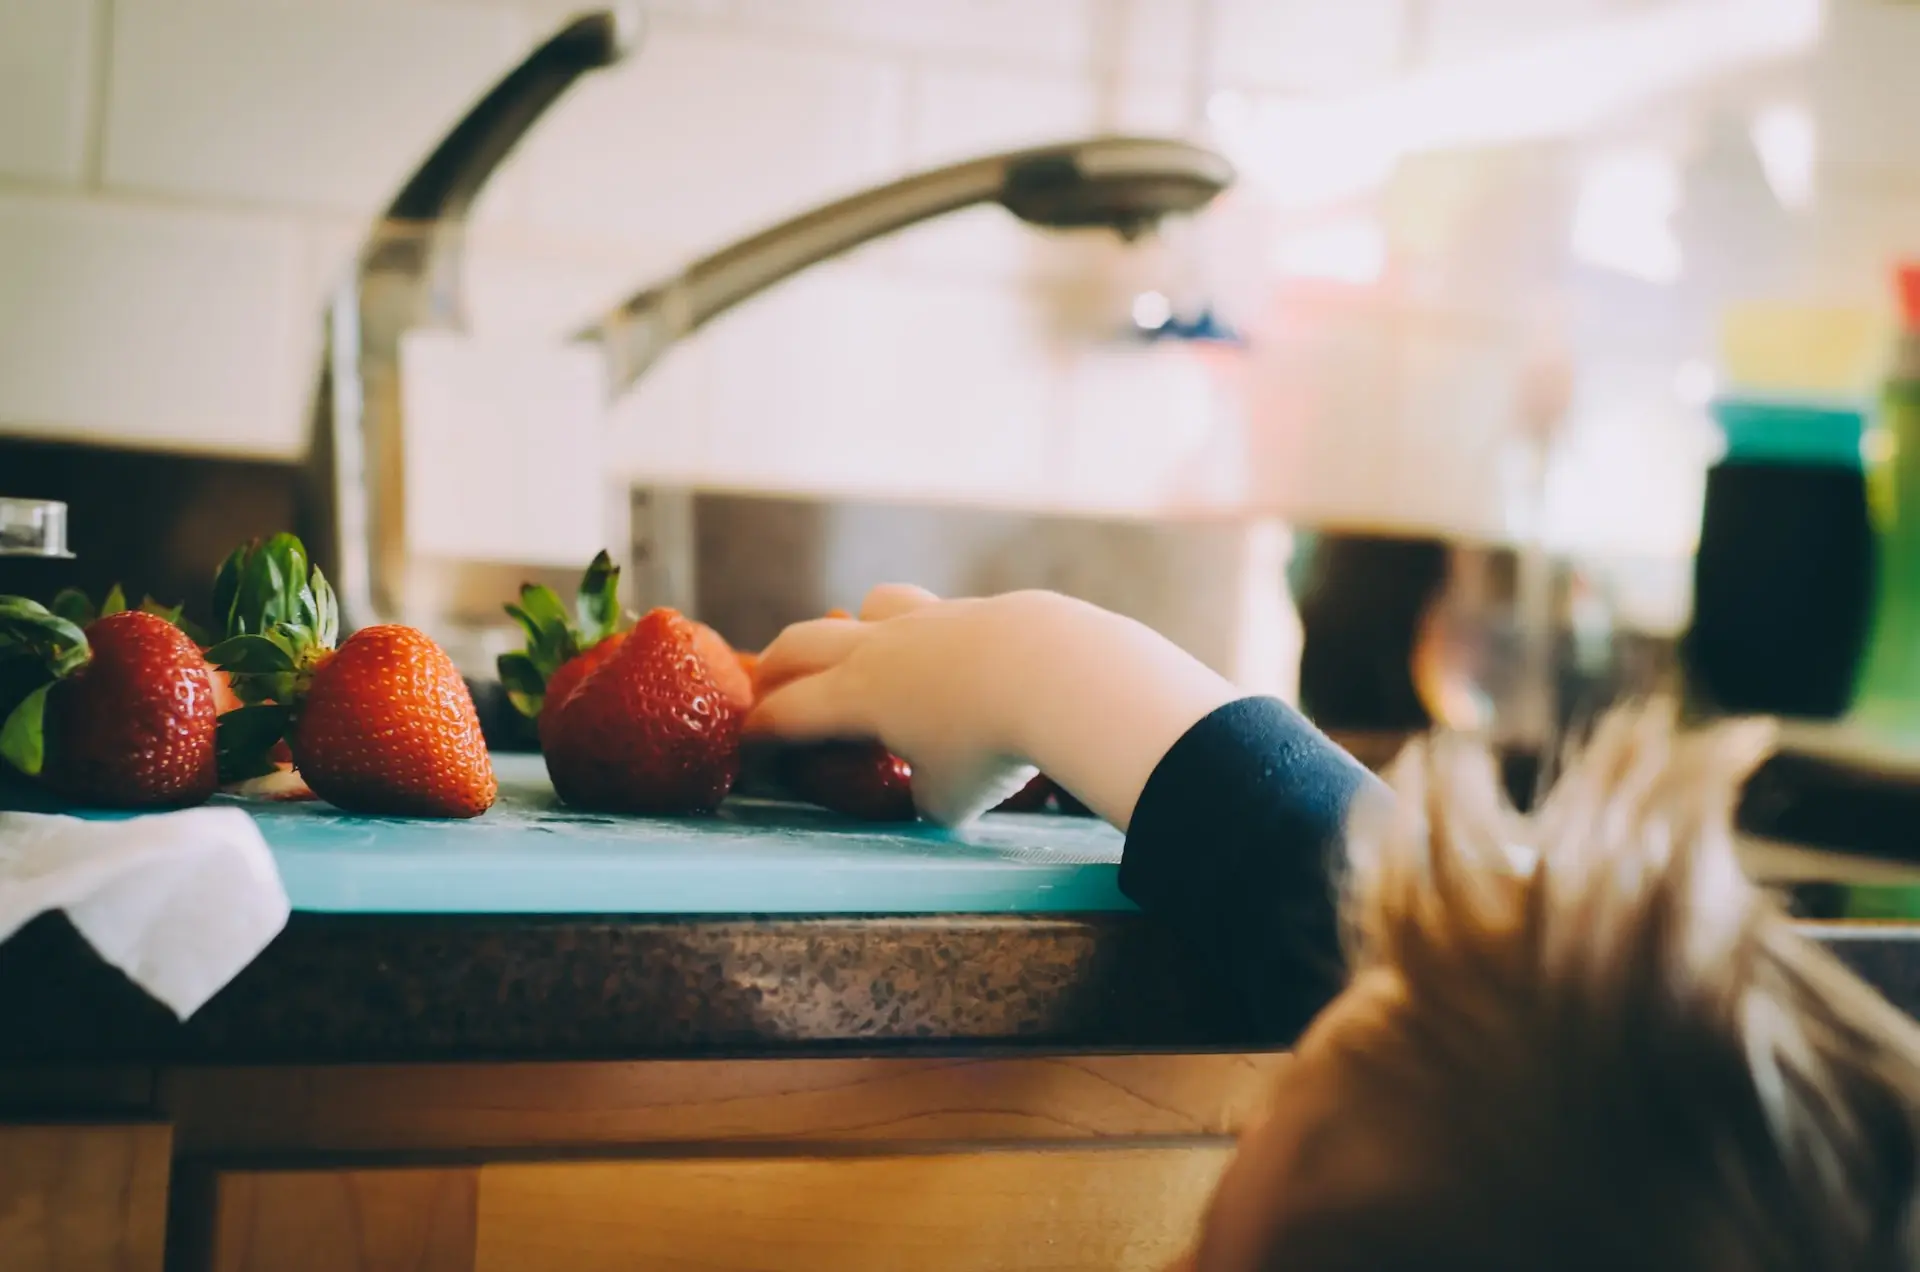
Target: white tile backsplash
1307,45
46,88
182,180
316,104
962,114
1054,33
151,326
1462,30
700,138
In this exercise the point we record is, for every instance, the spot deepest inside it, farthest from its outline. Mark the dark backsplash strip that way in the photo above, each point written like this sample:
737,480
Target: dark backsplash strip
155,523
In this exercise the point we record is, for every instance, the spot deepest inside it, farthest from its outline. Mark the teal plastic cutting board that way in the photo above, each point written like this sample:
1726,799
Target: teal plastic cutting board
530,855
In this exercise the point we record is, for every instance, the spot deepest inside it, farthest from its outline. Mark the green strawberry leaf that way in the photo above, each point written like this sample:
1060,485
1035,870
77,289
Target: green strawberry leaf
273,588
31,629
549,643
542,606
226,590
74,605
294,638
270,589
116,602
250,656
597,605
243,741
526,686
326,611
23,738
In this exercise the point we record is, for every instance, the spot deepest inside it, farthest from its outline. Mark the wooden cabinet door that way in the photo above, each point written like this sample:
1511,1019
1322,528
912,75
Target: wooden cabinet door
1035,1208
83,1198
397,1219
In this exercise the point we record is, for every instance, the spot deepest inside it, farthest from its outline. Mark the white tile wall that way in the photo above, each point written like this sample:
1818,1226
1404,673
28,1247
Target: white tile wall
1053,33
850,379
701,138
180,181
1308,45
151,325
316,104
959,114
46,83
1460,30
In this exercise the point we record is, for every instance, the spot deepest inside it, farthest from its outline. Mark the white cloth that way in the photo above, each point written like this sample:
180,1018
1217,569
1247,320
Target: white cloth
180,902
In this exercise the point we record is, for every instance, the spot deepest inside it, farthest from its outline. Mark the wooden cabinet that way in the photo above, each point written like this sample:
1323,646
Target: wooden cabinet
379,1220
1036,1162
1008,1209
83,1198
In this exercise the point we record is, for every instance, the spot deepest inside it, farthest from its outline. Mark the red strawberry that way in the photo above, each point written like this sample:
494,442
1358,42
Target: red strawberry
734,681
562,683
560,644
224,698
859,779
383,724
77,607
387,726
126,718
648,731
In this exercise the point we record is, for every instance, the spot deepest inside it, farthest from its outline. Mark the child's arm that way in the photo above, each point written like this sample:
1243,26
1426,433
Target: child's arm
1233,806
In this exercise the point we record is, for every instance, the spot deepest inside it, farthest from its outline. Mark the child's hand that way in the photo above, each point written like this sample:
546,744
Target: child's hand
974,693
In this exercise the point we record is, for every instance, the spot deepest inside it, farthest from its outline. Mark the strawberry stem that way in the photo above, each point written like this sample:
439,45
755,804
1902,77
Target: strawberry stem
280,619
555,637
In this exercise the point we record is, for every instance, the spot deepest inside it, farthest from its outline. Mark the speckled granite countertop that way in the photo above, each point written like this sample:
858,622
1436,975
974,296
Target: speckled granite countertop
400,988
392,988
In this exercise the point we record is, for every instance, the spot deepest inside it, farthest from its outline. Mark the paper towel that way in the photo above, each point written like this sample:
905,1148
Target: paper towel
180,902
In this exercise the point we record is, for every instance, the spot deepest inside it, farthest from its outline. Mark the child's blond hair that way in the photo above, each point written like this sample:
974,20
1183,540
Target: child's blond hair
1605,1047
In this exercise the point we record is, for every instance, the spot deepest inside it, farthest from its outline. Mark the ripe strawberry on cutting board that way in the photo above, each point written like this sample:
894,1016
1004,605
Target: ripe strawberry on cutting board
383,724
865,780
858,779
648,730
562,647
731,670
125,715
78,608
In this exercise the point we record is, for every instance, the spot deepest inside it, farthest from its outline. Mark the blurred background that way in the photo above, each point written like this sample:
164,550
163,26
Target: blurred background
1414,421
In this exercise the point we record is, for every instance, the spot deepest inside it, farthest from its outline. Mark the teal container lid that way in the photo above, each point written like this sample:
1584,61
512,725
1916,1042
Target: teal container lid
1782,431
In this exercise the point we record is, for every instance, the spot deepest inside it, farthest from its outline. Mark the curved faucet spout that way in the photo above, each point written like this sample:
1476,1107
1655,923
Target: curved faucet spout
1126,184
409,274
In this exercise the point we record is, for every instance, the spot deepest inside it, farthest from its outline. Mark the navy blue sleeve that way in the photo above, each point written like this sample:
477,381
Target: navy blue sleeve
1238,843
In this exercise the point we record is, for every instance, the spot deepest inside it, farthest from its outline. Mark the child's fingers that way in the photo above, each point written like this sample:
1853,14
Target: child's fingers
805,710
890,600
804,650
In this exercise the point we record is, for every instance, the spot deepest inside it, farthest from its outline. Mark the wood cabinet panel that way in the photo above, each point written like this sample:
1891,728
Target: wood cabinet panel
362,1108
1006,1211
376,1220
83,1198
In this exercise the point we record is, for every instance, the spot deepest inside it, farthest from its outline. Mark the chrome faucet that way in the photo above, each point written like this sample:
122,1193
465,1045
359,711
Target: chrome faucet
1125,184
33,527
409,276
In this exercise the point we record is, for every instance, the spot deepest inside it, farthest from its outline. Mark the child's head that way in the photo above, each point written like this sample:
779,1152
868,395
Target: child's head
1580,1040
